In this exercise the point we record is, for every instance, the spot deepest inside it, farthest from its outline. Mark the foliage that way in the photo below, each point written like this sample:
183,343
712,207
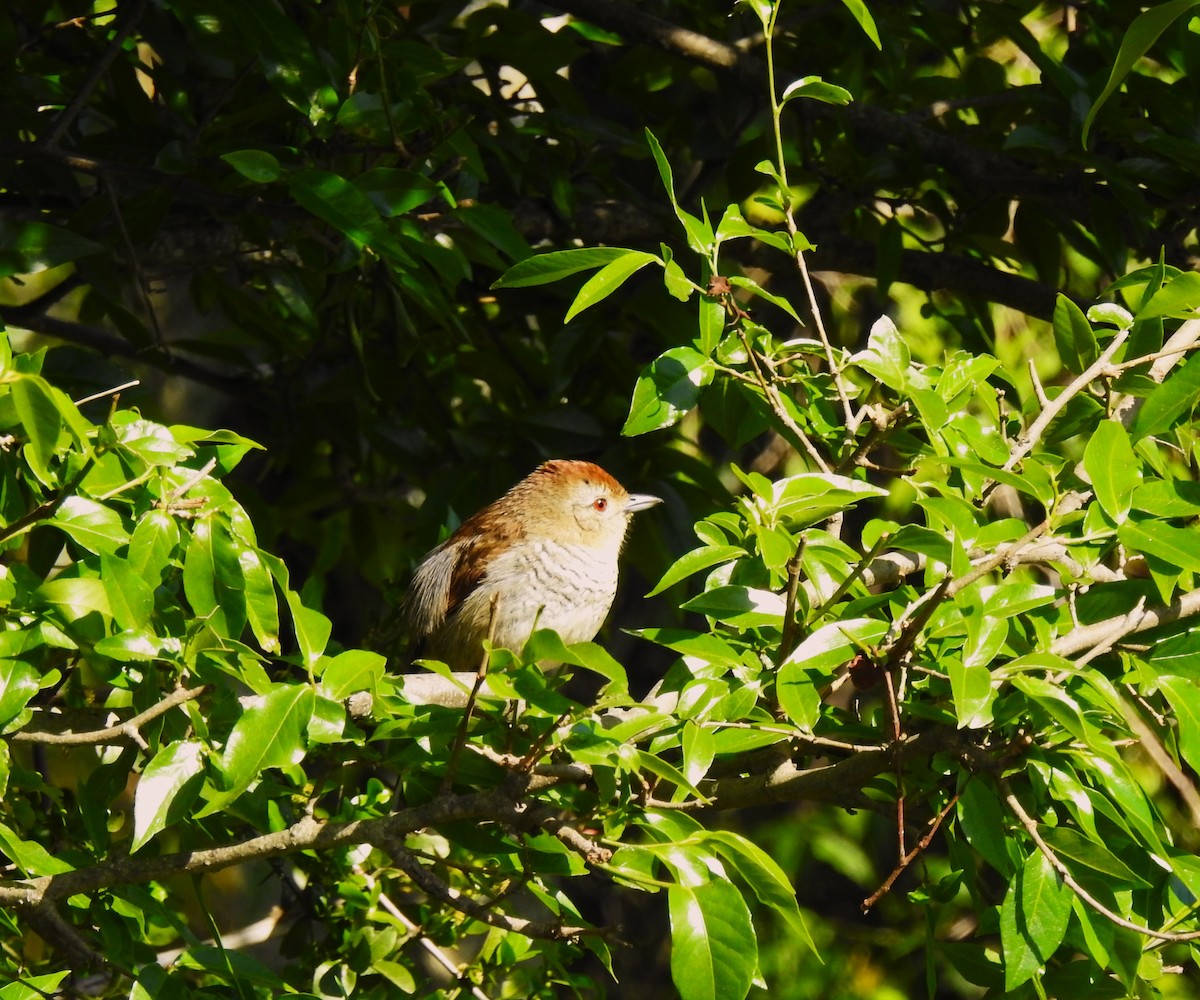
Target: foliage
929,653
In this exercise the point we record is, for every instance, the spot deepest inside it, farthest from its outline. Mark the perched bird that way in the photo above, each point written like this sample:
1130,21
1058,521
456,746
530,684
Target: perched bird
545,552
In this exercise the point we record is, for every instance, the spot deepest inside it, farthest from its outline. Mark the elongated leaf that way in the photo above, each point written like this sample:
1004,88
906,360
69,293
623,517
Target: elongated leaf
154,539
608,279
1179,298
94,526
865,21
700,234
30,857
1177,546
695,561
41,423
764,875
816,89
1143,32
544,268
667,390
1073,335
18,684
129,596
1177,395
167,774
254,164
1113,468
270,733
745,607
30,247
714,953
1045,905
971,685
1184,696
351,671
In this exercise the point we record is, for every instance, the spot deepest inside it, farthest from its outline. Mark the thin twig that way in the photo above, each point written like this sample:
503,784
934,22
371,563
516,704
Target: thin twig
889,682
47,508
128,730
791,626
1034,432
443,892
460,737
921,845
418,932
105,393
1031,827
1155,750
129,17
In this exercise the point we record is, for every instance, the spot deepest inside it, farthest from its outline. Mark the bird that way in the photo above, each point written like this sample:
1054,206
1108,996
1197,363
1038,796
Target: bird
544,555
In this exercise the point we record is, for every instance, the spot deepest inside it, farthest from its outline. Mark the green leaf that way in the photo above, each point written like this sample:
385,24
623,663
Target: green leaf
351,671
1184,698
982,817
212,578
395,192
714,952
677,283
696,561
1113,468
41,422
153,541
733,225
1177,395
270,733
31,858
129,596
1142,33
544,268
608,279
95,527
76,596
1021,960
31,987
167,774
887,356
262,604
764,875
667,390
335,200
700,235
1162,498
711,325
30,247
744,607
1045,905
971,686
865,21
1176,546
18,684
699,748
1072,844
816,89
738,281
254,164
1073,336
1179,298
546,645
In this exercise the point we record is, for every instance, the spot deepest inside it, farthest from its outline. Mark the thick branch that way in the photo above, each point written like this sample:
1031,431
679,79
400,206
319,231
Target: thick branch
1112,629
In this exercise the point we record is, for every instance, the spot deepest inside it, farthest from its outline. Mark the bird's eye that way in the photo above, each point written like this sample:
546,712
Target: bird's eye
600,504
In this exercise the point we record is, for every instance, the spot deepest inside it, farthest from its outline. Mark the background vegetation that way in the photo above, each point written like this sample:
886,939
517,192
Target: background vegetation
922,587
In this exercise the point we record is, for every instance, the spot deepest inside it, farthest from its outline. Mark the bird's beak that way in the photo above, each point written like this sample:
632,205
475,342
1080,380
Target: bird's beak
640,501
